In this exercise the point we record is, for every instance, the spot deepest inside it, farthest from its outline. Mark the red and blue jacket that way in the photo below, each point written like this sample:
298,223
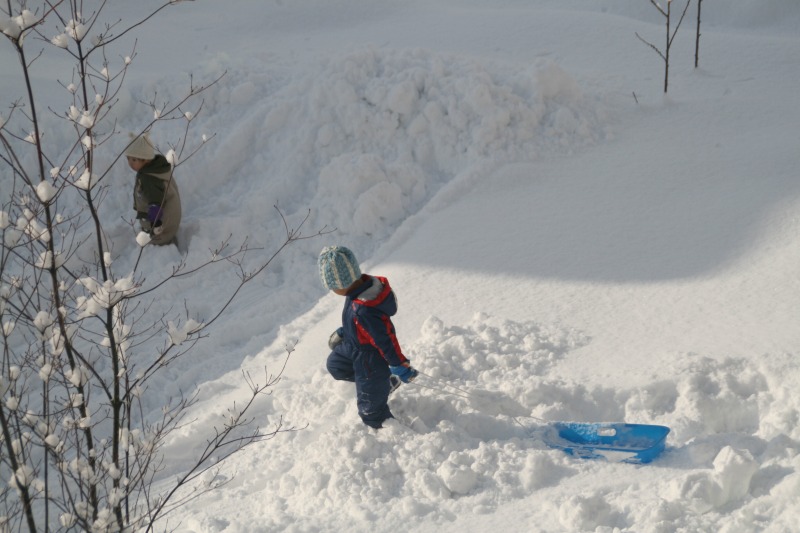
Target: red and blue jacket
366,319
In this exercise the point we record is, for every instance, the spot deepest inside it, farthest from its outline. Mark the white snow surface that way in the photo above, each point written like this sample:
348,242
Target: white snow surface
566,243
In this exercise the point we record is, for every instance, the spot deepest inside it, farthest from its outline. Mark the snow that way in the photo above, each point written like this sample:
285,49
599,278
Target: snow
566,242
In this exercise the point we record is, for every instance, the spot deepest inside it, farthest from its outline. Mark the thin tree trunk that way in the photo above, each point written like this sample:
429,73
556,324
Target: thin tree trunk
697,38
666,50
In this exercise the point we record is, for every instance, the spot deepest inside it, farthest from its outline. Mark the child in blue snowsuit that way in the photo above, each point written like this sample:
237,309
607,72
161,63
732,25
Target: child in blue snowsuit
365,348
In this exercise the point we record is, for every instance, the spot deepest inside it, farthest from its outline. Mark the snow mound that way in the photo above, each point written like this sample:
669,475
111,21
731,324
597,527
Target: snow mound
367,138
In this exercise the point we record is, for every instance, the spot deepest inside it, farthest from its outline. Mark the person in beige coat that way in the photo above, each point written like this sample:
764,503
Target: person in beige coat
155,194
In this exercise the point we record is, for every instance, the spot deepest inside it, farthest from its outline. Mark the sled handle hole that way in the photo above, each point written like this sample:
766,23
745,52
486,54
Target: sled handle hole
606,432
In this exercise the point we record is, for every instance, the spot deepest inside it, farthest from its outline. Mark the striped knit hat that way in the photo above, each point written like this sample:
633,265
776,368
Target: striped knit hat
338,267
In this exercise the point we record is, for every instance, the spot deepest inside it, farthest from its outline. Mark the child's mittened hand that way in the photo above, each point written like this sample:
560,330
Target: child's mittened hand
335,338
406,372
154,213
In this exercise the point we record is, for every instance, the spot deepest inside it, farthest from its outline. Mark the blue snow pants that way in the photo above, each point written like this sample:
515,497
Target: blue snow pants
370,372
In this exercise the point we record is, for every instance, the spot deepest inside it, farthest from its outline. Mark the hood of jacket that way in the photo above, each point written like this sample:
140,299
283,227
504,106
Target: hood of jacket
375,292
159,168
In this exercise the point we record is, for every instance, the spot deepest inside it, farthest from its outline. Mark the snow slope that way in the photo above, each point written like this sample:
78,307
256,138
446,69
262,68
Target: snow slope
566,244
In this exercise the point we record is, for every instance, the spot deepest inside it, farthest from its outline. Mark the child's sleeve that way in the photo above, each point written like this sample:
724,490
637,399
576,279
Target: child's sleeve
377,329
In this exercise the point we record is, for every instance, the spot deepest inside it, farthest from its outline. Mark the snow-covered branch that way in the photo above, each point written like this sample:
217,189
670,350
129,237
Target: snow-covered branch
82,337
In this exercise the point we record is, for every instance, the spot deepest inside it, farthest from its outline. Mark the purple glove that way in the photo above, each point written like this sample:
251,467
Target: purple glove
154,214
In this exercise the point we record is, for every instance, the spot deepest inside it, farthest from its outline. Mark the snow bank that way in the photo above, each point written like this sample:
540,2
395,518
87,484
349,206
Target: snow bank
368,137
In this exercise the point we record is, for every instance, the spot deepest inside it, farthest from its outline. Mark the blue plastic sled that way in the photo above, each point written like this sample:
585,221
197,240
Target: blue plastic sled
627,443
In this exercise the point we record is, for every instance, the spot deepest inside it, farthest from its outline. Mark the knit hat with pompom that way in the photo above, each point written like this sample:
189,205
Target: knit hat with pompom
141,148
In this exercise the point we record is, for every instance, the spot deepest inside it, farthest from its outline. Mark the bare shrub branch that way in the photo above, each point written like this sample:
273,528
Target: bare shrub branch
80,447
